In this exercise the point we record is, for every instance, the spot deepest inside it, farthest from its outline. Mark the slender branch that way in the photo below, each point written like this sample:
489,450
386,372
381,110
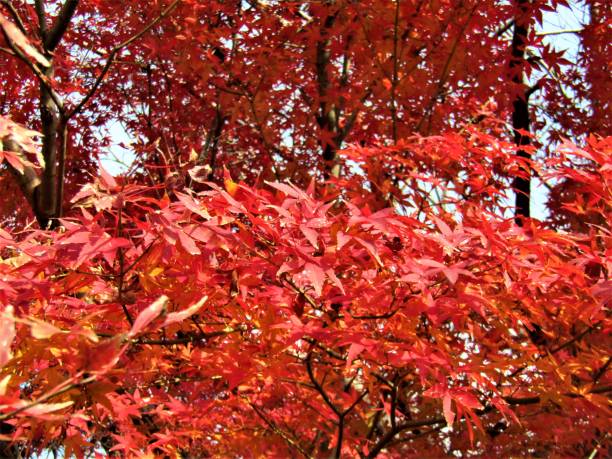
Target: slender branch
602,370
386,315
318,386
520,108
504,28
28,180
290,441
559,348
7,51
190,338
537,399
300,291
427,114
141,256
44,81
329,351
61,168
111,58
15,14
559,32
326,119
350,121
388,437
61,389
355,403
122,271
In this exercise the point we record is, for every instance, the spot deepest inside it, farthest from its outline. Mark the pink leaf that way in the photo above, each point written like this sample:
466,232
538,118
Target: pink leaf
354,350
311,235
7,334
188,244
179,316
442,226
449,415
370,248
316,276
148,315
342,239
332,276
451,274
603,292
15,161
431,263
106,180
288,190
468,400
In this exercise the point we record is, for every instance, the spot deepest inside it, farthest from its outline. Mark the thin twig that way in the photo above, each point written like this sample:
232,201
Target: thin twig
290,441
15,14
113,54
61,389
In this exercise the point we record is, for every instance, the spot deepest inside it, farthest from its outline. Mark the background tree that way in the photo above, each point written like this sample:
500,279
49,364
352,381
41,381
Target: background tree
311,252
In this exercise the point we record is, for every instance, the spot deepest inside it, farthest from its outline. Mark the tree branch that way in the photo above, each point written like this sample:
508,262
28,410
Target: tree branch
388,437
190,338
61,389
54,36
16,17
320,388
113,54
39,5
44,81
290,441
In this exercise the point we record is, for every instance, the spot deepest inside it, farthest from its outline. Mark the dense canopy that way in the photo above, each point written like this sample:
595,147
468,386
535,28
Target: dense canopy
321,241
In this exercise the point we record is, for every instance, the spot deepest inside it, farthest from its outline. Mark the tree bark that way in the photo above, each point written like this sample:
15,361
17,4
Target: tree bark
520,107
44,192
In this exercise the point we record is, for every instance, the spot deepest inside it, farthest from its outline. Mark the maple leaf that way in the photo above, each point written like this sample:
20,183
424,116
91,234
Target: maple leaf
245,289
449,414
7,334
148,315
179,316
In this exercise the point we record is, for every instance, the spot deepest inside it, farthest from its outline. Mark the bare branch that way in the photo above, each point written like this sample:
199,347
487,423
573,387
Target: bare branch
394,79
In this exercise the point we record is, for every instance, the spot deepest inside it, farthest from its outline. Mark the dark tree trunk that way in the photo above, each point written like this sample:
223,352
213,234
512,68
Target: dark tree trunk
520,106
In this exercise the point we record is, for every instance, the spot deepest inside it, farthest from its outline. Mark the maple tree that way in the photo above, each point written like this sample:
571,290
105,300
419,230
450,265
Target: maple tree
313,252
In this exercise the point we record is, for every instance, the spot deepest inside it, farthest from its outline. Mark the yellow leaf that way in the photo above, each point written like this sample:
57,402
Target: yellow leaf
56,352
231,186
4,384
156,272
44,408
43,330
